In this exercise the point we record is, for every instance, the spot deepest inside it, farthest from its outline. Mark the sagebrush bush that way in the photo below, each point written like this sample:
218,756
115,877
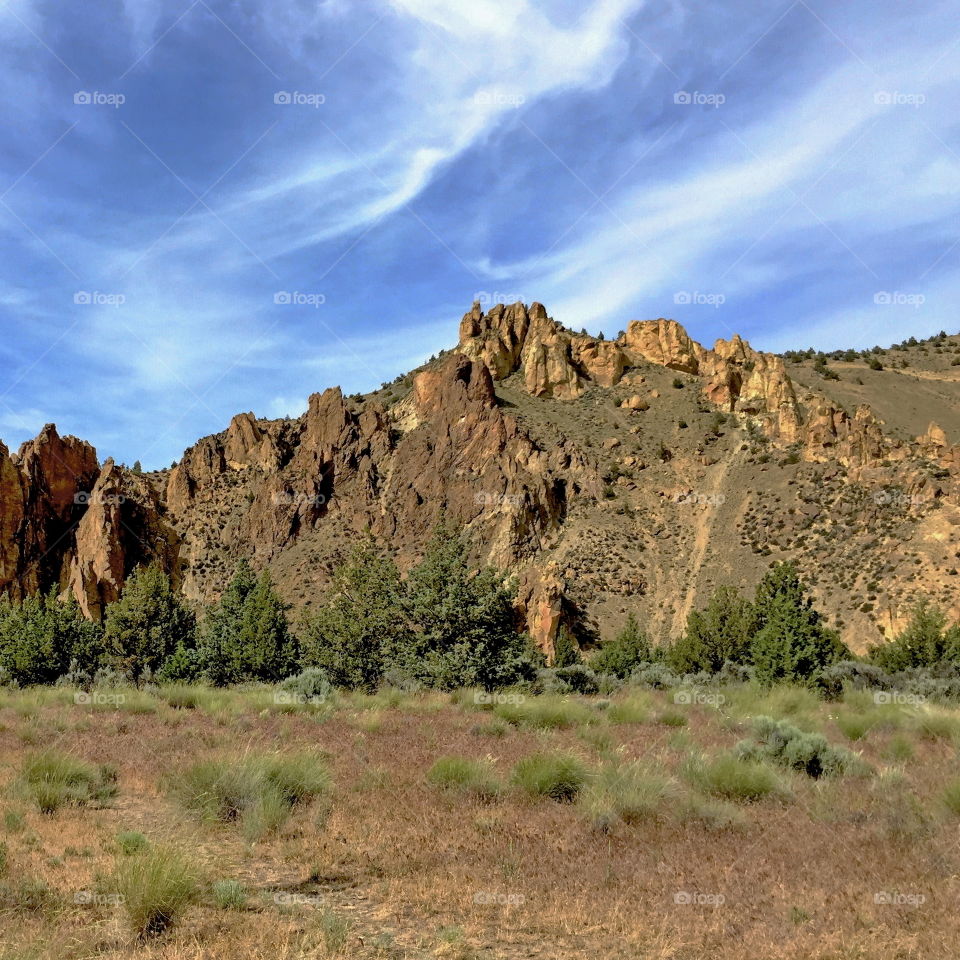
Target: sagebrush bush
559,776
156,888
811,753
131,842
55,780
474,777
311,685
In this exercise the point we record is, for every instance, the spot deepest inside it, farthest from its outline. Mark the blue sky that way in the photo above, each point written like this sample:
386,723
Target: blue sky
169,171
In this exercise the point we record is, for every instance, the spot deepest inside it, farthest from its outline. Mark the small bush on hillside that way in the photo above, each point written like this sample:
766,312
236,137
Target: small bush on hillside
156,888
791,747
310,685
474,777
131,842
55,780
854,675
574,679
658,676
559,776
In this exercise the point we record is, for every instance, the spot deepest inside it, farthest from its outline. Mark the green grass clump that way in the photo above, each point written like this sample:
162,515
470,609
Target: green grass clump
672,718
182,697
156,888
547,713
259,791
628,793
951,797
131,842
855,726
631,710
932,725
55,780
230,895
789,746
559,776
475,777
335,931
899,749
13,821
731,777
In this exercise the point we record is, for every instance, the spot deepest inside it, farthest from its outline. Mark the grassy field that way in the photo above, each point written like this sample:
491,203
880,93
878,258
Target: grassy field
657,824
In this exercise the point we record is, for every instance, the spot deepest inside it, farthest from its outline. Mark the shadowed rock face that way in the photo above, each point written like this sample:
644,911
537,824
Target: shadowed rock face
558,508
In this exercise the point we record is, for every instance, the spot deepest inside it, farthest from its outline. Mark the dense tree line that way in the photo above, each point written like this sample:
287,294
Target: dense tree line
446,624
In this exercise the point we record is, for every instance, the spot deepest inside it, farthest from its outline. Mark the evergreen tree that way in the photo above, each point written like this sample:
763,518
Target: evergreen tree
925,641
464,629
566,650
41,637
792,643
721,632
622,655
365,615
147,624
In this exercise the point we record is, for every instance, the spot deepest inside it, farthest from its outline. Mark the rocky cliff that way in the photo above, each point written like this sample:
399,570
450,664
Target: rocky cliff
611,476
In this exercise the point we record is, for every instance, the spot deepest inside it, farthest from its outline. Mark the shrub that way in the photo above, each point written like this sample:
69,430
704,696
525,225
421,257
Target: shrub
559,776
310,685
475,777
656,675
577,678
230,895
852,674
951,797
55,780
924,642
156,888
732,777
791,747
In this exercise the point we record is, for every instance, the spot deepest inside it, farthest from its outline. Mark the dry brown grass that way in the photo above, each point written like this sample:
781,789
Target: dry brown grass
394,867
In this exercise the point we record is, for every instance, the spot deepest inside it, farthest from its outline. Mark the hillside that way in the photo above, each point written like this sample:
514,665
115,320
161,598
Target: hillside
611,476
